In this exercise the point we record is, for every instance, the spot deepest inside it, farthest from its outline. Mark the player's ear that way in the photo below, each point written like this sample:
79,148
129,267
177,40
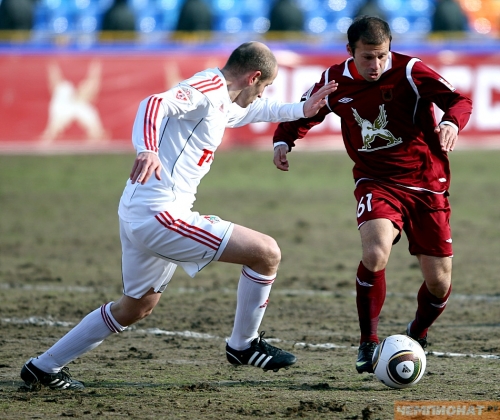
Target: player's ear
349,50
254,77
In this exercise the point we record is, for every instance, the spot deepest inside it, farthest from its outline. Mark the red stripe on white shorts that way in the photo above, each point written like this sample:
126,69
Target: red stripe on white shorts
189,231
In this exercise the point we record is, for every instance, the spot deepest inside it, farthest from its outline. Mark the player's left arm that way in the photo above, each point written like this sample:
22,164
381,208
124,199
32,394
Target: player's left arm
448,136
457,108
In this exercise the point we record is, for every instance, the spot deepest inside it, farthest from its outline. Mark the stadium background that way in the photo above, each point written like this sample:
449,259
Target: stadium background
67,85
60,251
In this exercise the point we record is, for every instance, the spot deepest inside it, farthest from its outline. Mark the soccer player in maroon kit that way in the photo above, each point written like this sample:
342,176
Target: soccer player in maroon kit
401,168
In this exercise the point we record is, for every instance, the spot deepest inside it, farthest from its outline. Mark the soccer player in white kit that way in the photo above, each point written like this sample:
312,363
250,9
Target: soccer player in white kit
175,135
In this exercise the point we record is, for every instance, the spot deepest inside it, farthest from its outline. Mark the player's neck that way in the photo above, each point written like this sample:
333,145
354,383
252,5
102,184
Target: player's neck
234,85
354,71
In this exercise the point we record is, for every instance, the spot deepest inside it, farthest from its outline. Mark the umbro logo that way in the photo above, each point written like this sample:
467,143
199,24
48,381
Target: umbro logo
345,100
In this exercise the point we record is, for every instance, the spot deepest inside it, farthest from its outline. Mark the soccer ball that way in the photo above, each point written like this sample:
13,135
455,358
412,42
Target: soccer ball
399,361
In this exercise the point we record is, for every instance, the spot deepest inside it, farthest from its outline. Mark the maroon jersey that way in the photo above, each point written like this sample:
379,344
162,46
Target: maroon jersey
388,125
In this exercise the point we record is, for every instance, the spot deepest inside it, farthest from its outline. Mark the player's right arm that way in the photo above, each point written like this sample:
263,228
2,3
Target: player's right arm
280,160
145,165
287,132
146,132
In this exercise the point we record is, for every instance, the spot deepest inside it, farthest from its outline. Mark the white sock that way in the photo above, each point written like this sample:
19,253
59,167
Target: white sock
87,335
251,302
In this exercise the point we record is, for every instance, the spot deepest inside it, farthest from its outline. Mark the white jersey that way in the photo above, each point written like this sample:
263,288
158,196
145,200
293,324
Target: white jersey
184,126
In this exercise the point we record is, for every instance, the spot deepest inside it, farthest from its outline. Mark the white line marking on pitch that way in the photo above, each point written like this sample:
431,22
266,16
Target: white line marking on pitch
286,292
33,320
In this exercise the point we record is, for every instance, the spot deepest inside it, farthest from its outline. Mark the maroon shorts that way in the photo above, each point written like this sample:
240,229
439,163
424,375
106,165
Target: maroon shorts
425,217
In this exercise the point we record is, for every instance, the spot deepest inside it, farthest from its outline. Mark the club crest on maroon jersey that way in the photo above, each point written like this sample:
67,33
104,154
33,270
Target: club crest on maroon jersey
387,92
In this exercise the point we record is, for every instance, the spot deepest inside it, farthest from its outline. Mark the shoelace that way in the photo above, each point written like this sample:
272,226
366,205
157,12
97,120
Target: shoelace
268,348
65,373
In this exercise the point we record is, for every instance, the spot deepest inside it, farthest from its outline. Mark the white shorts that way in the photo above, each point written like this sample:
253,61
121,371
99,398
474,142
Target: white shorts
152,249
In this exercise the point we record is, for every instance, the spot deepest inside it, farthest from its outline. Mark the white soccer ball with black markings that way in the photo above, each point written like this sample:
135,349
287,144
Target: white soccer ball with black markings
399,361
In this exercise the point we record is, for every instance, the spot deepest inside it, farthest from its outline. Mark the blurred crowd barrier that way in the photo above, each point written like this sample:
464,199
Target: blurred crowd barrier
86,21
57,100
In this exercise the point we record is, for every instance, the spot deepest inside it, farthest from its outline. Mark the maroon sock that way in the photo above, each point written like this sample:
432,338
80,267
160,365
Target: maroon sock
428,310
370,296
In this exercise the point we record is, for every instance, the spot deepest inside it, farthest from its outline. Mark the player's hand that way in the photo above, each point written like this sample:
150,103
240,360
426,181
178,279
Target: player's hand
317,100
447,137
280,159
145,164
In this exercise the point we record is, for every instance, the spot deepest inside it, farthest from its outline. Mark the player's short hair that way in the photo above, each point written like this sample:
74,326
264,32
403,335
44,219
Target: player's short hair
370,30
252,56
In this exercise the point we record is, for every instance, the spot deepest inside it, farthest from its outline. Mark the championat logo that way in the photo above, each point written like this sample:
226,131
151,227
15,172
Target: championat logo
463,410
370,131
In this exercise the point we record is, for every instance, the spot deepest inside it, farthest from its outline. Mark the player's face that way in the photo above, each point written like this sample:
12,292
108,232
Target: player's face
254,91
370,60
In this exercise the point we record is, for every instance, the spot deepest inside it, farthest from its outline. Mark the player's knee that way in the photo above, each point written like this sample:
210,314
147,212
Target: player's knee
272,253
138,315
438,291
126,314
375,259
439,288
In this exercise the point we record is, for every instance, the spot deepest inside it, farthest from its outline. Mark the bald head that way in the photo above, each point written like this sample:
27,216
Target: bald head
250,57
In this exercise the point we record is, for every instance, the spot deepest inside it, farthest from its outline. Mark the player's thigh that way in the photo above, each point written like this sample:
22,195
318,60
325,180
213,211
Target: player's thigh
428,229
380,221
189,240
378,233
141,269
376,201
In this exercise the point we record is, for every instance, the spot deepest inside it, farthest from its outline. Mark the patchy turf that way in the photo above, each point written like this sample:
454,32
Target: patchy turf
60,259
